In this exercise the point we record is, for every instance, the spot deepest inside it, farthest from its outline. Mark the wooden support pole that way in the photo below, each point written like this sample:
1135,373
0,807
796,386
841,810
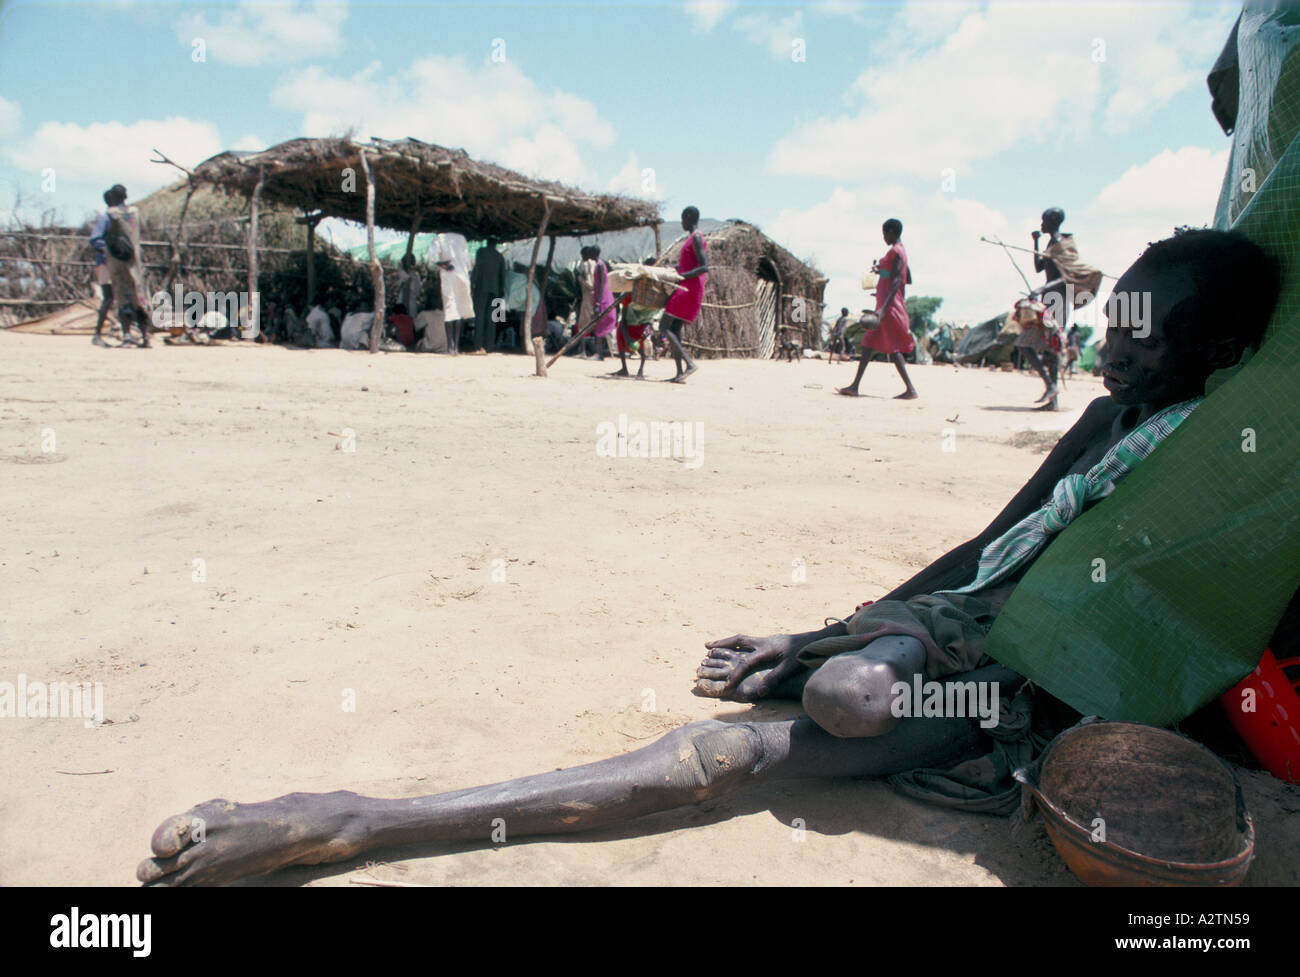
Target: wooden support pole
539,342
311,263
174,262
254,296
309,219
415,229
376,270
659,248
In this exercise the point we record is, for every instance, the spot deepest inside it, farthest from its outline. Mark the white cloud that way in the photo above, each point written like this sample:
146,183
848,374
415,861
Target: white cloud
942,231
636,180
11,117
777,36
249,142
257,33
491,110
983,81
705,14
1147,201
112,152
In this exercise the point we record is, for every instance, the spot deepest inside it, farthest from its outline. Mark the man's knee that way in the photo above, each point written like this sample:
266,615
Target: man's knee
852,695
711,753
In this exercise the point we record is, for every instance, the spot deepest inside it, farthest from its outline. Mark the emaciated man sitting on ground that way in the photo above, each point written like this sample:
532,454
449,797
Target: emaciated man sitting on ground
1211,296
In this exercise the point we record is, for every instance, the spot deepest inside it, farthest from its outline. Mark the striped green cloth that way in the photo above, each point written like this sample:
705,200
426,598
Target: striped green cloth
1015,548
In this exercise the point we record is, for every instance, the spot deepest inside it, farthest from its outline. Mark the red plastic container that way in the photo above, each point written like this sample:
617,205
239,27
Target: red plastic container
1272,730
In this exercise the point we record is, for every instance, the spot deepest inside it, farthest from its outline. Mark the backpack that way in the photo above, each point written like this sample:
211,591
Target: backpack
117,241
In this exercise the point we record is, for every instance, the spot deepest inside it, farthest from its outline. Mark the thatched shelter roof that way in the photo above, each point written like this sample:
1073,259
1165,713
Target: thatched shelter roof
454,192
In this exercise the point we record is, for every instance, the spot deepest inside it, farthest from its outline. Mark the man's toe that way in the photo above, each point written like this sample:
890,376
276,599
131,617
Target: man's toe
171,836
153,870
708,688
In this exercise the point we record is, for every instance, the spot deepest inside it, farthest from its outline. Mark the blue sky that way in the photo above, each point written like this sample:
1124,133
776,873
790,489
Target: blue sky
815,121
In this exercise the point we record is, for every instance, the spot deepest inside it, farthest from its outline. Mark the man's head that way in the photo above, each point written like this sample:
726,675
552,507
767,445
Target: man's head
844,311
399,308
892,230
1190,305
115,195
1053,218
690,218
595,250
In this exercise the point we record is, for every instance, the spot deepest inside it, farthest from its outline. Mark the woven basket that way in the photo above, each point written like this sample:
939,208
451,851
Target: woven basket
650,293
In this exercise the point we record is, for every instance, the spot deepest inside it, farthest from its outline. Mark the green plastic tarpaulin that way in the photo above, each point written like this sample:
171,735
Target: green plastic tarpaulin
1200,545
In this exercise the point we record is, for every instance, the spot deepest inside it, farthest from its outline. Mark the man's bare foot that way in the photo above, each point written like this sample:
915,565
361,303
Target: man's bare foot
846,392
681,377
220,841
907,395
99,341
621,373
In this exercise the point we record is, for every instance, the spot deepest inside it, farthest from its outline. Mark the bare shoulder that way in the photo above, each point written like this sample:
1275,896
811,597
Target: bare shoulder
1096,421
1102,410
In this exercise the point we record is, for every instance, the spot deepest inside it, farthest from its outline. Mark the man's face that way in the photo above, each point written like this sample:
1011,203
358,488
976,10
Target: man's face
1142,366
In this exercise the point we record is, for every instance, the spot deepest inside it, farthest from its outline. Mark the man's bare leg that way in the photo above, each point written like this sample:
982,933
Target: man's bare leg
1049,382
697,762
900,364
671,327
852,389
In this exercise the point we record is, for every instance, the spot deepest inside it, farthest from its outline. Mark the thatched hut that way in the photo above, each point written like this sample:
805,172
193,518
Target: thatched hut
754,286
414,186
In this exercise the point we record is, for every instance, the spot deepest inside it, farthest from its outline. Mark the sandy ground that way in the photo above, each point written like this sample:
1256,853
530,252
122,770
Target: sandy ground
495,596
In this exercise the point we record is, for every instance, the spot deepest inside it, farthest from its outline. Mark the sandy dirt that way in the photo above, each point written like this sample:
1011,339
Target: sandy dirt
494,596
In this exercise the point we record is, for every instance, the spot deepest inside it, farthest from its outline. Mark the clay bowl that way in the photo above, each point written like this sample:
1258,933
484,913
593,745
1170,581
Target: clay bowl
1171,812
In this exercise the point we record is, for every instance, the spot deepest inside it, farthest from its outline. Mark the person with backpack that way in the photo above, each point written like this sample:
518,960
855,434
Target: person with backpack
99,275
116,238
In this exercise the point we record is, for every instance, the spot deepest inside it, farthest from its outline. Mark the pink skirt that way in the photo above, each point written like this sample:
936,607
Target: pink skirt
891,336
686,299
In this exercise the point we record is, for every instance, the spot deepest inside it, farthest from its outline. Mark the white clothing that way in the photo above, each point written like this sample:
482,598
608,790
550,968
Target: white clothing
409,287
434,339
355,332
318,322
457,302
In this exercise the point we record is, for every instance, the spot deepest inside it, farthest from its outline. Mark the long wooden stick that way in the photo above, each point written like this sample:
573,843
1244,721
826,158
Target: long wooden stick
1040,254
580,336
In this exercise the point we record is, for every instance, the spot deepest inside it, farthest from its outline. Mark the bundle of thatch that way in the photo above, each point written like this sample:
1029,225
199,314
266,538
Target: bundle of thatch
420,187
739,257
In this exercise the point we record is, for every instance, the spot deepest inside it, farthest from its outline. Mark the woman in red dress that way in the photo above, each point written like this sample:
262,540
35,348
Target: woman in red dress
893,336
686,301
